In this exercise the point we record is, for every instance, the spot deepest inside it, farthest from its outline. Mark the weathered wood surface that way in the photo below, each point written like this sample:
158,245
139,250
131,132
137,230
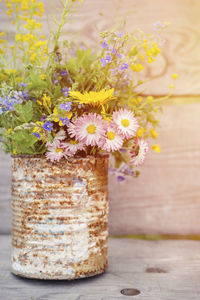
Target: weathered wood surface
160,270
166,196
181,52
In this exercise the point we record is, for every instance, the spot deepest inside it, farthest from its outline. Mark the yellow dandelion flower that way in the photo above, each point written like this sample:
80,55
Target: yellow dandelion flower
2,34
156,148
171,86
93,98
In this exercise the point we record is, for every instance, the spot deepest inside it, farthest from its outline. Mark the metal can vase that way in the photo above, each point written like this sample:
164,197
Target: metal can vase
59,217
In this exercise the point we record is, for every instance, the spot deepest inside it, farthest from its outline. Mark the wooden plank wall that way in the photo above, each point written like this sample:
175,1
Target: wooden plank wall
166,197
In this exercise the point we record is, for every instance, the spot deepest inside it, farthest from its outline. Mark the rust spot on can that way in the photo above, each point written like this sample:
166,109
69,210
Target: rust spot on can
59,217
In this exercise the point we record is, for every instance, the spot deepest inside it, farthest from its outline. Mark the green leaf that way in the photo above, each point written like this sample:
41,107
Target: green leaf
24,141
25,112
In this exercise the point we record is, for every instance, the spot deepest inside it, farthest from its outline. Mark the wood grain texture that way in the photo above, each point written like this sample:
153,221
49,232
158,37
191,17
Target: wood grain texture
165,198
181,52
161,270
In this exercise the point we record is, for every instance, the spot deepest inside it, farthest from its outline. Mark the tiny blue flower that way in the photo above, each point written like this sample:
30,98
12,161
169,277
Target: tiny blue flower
65,120
2,110
103,61
48,126
56,81
119,55
43,118
113,50
37,135
66,106
123,67
64,73
23,84
104,45
120,34
25,95
108,58
120,178
65,91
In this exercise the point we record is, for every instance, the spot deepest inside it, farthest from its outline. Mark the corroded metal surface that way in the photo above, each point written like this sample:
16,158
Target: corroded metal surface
59,217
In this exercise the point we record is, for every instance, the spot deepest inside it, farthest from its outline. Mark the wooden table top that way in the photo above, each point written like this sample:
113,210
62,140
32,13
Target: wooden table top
160,270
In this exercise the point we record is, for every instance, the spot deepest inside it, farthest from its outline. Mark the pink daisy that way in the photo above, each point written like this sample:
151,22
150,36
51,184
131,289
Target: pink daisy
71,129
73,146
139,152
60,136
112,141
88,129
125,123
56,151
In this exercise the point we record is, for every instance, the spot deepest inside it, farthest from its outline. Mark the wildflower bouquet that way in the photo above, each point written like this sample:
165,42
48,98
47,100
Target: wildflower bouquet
63,99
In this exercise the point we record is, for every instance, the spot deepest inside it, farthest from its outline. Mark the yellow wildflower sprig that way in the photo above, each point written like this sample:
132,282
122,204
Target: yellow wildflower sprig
45,102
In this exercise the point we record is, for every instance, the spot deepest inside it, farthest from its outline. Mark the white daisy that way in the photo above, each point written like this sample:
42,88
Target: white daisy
89,129
56,151
139,152
112,141
125,122
73,146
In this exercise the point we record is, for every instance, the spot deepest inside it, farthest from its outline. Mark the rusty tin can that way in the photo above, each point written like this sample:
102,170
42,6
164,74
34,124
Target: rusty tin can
59,217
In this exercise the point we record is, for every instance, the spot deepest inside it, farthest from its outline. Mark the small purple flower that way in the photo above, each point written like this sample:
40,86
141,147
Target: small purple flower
43,118
123,67
120,178
119,55
55,78
23,84
66,106
108,58
103,61
48,126
104,45
65,91
120,34
64,73
25,95
37,135
113,50
64,120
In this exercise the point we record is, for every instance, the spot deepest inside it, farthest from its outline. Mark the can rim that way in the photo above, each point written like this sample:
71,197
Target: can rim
42,156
